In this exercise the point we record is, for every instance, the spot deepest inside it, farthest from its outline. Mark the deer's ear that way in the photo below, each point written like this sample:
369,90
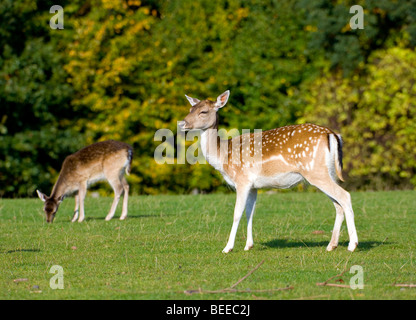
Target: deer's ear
42,196
191,100
222,100
61,198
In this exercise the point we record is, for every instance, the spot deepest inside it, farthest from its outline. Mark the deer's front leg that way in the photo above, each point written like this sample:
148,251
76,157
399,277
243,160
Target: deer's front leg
81,196
76,210
250,206
242,194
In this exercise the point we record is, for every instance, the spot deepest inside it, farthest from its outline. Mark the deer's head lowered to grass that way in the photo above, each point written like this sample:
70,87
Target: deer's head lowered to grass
283,157
107,160
50,206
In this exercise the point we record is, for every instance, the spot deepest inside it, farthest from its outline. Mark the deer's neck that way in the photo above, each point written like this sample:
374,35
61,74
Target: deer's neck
213,148
60,188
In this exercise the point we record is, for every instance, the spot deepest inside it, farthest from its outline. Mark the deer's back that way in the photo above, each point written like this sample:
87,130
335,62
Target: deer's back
92,160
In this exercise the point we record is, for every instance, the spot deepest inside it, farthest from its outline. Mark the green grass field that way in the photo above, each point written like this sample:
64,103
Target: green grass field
170,244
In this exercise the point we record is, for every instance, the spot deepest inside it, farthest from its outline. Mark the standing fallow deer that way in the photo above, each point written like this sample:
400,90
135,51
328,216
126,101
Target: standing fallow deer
107,160
282,158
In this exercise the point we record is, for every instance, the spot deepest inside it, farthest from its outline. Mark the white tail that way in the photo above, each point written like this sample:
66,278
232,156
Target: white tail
285,157
107,160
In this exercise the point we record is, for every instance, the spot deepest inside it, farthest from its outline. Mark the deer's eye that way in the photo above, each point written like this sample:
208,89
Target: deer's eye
203,112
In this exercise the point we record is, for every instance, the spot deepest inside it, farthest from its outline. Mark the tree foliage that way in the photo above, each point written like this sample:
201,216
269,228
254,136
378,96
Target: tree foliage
36,118
120,69
375,114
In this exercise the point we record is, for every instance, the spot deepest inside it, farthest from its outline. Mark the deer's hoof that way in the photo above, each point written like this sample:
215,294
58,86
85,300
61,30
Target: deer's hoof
352,246
227,250
331,247
248,247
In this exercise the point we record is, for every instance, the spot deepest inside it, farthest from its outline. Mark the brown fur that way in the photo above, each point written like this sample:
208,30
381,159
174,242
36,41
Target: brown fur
107,160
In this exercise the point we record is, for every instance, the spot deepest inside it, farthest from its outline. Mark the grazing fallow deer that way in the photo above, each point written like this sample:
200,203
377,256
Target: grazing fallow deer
282,158
107,160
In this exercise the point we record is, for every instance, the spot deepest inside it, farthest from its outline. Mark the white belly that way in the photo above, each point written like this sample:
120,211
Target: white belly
95,178
280,181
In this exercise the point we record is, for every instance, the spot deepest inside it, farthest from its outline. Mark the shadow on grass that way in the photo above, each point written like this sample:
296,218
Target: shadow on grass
285,243
139,216
22,250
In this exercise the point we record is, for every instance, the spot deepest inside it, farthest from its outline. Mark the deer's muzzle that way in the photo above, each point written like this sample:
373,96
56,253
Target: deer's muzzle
183,125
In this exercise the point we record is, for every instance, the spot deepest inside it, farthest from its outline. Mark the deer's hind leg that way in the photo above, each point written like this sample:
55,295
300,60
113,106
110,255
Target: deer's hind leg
125,197
113,169
117,186
337,227
342,202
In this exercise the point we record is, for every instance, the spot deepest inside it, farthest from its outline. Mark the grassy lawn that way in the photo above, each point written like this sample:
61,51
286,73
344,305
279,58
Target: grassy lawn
170,244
